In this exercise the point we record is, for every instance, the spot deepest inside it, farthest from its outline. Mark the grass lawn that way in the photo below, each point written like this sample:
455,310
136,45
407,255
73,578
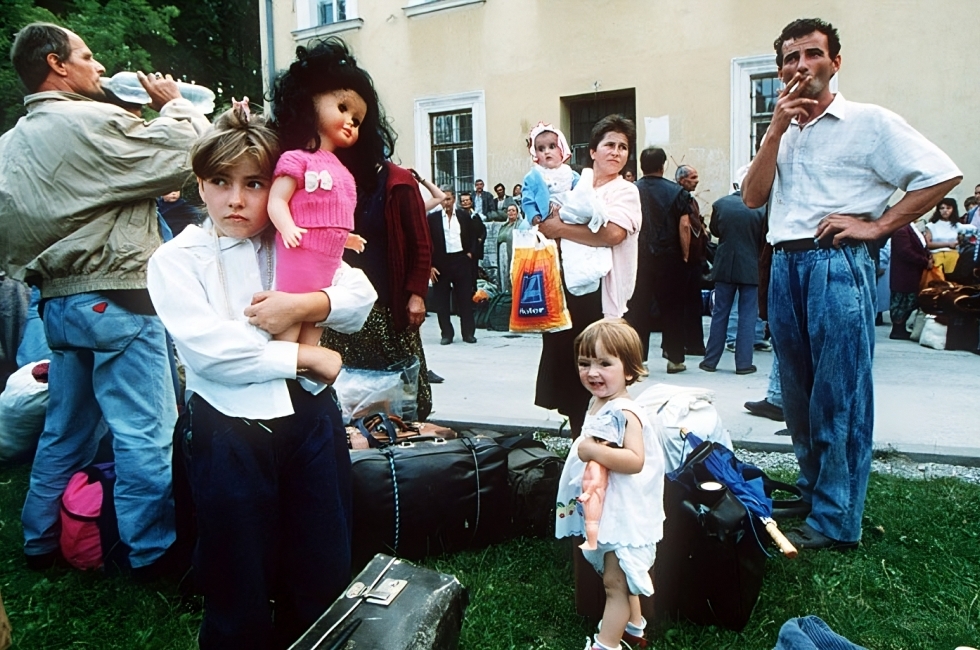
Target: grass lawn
914,583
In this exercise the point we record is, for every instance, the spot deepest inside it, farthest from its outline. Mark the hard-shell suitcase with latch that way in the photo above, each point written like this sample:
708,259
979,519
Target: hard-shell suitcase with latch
392,605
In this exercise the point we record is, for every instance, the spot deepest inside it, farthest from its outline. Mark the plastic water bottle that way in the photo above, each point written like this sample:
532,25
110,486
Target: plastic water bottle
128,88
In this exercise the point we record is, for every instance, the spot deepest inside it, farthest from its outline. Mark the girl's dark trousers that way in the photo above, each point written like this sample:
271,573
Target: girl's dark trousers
273,501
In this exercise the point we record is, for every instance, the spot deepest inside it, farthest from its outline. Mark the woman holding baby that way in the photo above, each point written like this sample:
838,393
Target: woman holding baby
558,386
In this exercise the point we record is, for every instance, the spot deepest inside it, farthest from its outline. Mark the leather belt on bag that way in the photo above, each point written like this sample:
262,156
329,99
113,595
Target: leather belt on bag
811,244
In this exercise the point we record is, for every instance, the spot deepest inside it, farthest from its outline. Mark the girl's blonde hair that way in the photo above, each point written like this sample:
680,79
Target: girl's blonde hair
618,339
233,135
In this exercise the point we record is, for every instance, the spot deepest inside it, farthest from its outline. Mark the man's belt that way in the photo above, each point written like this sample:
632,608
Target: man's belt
812,244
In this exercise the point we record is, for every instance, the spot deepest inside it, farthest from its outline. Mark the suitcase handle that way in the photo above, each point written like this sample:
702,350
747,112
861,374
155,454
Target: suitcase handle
438,440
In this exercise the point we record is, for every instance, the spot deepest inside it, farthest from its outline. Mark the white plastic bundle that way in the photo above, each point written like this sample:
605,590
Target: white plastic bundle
23,405
672,408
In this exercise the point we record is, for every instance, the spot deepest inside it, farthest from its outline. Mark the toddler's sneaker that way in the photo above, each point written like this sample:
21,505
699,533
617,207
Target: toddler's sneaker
593,644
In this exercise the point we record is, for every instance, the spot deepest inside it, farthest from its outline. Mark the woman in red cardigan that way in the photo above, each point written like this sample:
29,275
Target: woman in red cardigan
390,215
397,258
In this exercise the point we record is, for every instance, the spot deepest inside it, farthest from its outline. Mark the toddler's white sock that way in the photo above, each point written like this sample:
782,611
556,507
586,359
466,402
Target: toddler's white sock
636,630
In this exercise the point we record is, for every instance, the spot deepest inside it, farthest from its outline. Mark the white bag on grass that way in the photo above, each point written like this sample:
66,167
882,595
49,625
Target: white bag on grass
933,334
672,408
918,322
23,405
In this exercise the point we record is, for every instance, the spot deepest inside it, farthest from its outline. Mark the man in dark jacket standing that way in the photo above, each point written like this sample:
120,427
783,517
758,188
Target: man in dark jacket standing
736,271
662,269
454,247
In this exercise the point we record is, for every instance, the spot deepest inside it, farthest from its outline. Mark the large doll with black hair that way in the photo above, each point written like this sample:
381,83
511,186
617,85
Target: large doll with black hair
323,105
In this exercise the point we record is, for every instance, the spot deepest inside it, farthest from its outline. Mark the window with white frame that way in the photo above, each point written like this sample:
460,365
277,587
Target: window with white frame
331,11
452,149
417,7
755,85
765,92
319,18
451,139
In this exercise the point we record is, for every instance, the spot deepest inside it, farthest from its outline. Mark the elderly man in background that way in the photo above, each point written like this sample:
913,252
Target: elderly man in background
661,268
695,238
828,168
78,185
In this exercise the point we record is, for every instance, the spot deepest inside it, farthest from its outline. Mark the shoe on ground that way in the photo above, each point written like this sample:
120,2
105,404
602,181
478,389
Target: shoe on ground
623,644
46,561
469,339
794,509
705,367
730,347
674,368
781,432
806,537
433,378
766,409
446,340
746,371
166,566
900,333
762,346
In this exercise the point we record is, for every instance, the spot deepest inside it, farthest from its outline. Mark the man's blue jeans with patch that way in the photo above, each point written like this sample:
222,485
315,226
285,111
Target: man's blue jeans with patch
106,362
821,314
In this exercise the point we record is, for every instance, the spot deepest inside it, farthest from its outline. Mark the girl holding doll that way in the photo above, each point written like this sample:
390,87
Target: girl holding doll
263,439
618,436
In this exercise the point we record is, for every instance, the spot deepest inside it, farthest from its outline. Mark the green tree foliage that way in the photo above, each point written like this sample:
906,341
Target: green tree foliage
14,14
211,42
218,46
117,32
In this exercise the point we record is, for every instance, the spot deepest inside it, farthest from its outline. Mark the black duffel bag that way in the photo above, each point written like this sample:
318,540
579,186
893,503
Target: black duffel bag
534,472
428,496
711,561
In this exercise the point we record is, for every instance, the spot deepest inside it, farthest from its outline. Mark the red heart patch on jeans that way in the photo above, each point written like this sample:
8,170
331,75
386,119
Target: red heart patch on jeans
100,307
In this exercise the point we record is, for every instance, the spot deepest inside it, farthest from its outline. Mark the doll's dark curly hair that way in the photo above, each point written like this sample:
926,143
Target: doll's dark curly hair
325,67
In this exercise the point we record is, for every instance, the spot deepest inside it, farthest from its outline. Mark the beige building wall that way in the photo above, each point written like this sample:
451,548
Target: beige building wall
917,57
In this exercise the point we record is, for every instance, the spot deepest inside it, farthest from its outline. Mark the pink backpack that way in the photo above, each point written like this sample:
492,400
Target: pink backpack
89,534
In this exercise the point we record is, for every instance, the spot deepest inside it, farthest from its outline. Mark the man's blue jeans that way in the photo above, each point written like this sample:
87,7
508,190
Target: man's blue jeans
106,362
774,393
760,325
748,306
821,314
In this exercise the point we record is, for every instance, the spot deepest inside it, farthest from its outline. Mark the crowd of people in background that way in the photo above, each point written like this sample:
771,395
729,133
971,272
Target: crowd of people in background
261,360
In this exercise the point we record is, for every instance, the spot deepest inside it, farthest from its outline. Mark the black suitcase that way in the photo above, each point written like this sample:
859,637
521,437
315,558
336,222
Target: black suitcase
392,605
534,472
711,560
427,496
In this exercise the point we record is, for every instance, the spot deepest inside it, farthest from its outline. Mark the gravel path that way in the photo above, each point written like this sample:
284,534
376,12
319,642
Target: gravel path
891,463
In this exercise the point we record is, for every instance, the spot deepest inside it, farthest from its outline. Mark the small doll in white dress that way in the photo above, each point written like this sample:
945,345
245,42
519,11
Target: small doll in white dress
609,358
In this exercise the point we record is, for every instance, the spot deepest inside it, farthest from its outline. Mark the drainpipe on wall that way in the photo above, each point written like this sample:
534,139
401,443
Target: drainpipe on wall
270,46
